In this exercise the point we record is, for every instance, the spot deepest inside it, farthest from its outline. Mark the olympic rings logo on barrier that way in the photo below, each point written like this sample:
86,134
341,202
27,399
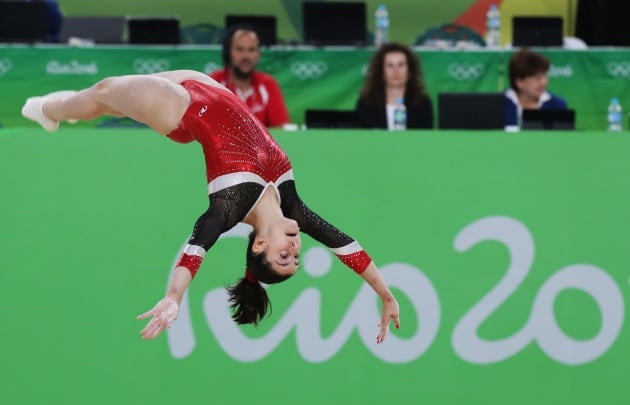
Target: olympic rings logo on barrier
307,70
619,70
465,71
146,66
5,66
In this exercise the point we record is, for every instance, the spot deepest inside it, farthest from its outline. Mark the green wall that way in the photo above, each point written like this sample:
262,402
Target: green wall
507,252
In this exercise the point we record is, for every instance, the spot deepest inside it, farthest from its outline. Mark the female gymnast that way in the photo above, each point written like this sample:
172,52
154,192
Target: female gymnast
249,180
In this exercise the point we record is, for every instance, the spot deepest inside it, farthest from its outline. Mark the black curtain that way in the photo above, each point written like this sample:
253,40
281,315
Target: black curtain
603,22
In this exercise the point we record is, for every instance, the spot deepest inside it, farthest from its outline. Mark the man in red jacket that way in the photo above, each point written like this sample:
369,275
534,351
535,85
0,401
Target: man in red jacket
260,91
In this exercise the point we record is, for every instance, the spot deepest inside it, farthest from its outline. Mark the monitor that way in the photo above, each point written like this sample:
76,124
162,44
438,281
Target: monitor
338,23
471,111
101,30
23,21
548,119
265,26
330,119
153,30
537,31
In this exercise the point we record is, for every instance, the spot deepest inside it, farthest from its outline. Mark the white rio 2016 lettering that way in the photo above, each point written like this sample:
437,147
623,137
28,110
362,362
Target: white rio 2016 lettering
304,313
541,325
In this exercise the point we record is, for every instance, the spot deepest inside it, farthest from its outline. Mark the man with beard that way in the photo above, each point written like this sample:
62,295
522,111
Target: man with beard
260,91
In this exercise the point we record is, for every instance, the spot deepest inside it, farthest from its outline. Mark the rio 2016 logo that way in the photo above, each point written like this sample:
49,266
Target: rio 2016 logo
540,327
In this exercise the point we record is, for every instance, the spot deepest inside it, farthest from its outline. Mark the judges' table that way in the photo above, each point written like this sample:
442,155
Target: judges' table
316,77
507,252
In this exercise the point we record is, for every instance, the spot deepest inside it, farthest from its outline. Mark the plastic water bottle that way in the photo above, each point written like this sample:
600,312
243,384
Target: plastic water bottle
615,115
493,27
381,25
400,115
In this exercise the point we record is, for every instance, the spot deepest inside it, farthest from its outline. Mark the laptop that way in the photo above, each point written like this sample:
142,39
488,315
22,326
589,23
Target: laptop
330,119
537,31
101,30
338,23
153,30
471,111
23,22
265,25
548,119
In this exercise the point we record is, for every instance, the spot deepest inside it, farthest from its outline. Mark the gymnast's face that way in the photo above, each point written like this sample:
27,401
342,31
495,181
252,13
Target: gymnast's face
281,244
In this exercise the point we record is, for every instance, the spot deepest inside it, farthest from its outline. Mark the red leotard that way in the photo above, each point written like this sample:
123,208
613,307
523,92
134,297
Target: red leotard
242,158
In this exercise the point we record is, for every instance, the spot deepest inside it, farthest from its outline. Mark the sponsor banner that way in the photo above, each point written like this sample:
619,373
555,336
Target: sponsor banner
508,258
317,78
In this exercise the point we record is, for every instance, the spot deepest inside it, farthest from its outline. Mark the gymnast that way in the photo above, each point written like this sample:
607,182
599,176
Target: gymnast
249,178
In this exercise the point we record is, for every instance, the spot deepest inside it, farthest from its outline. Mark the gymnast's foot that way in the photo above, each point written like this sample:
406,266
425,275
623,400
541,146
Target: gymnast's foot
33,111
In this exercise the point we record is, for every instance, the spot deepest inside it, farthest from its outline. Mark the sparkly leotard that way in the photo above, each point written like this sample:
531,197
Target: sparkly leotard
242,160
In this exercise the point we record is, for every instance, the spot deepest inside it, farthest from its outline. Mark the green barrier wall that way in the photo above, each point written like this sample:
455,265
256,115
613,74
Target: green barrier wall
317,78
508,254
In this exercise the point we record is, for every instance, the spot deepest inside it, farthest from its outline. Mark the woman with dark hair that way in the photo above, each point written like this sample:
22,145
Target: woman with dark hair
249,177
394,72
528,86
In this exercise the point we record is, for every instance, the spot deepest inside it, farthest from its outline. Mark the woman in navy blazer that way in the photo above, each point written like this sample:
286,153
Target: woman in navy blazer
528,86
394,72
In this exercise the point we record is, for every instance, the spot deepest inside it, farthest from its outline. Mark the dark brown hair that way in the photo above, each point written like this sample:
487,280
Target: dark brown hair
526,63
248,298
373,91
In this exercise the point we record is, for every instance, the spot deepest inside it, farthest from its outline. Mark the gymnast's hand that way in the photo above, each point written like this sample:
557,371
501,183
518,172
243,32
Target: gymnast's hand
163,313
390,313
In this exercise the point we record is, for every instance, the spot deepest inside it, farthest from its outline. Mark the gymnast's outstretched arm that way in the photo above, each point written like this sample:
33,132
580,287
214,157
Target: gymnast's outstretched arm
347,250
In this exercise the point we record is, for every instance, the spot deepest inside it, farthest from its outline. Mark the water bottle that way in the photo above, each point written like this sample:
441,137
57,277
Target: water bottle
614,115
381,25
400,115
493,27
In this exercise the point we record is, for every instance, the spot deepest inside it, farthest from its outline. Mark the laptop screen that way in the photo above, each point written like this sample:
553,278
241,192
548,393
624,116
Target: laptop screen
331,119
153,30
537,31
338,23
102,30
471,111
265,26
23,21
548,119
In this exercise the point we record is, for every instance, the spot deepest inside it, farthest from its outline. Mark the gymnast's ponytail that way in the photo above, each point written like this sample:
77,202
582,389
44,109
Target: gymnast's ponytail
248,298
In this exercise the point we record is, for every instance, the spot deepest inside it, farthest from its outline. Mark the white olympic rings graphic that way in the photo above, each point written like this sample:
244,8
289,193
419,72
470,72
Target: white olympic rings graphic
145,66
5,66
309,70
466,71
619,69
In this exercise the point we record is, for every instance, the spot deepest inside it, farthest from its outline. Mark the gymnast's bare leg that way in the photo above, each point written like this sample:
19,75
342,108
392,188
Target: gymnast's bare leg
155,100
